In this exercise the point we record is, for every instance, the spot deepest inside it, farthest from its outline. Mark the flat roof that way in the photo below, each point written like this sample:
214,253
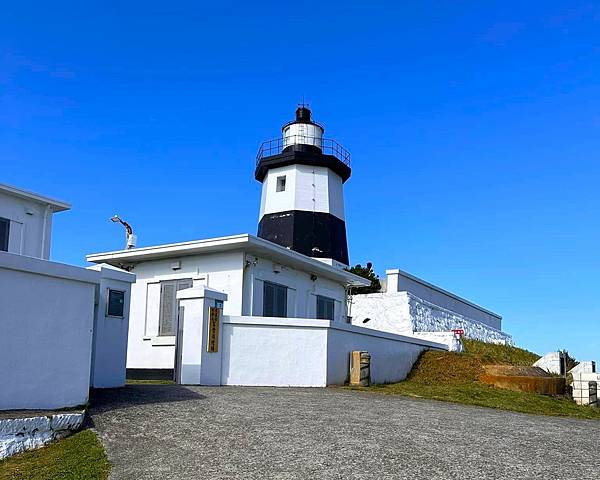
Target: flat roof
245,242
57,205
440,290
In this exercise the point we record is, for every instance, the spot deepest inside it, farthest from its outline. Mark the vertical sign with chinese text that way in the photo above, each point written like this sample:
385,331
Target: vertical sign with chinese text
214,314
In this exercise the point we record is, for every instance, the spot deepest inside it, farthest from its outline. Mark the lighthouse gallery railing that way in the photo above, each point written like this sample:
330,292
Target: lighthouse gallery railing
327,146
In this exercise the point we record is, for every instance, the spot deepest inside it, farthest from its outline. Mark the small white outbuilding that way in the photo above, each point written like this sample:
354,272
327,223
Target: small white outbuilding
64,328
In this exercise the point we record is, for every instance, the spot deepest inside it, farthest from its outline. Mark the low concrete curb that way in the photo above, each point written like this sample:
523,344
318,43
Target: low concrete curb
26,433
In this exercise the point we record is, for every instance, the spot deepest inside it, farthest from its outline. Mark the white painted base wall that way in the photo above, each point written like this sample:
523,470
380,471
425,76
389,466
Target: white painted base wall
406,314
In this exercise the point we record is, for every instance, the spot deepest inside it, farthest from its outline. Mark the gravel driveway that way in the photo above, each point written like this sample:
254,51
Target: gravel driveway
169,431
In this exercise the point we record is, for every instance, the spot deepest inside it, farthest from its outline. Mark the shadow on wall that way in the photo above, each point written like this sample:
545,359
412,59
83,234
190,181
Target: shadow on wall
102,400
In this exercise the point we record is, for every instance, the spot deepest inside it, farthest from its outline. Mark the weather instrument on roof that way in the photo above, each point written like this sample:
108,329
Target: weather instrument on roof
130,238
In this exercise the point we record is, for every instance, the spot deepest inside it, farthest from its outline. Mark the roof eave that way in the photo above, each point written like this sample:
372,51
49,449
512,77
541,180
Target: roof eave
243,242
57,205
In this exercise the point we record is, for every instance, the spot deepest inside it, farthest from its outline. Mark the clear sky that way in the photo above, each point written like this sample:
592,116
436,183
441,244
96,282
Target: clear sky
474,129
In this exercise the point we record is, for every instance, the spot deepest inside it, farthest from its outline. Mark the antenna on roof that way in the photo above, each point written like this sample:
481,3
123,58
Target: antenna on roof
303,104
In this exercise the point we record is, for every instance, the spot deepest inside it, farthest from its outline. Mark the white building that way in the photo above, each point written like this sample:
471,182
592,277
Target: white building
64,328
261,279
26,221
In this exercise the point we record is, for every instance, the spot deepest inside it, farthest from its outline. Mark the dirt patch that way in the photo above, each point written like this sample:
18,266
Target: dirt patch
523,379
516,371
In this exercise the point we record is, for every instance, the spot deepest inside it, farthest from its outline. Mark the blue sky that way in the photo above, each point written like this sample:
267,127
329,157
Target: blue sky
474,129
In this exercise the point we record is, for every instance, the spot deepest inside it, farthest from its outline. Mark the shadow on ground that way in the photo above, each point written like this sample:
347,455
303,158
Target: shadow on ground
106,399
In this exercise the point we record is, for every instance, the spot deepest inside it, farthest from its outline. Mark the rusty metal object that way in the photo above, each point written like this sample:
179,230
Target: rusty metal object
523,379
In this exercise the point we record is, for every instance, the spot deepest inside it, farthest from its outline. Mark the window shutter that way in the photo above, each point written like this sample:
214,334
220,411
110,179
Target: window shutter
167,309
325,308
330,305
281,302
274,300
4,233
268,300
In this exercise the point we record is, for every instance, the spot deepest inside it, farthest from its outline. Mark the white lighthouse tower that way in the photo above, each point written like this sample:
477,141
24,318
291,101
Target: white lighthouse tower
302,203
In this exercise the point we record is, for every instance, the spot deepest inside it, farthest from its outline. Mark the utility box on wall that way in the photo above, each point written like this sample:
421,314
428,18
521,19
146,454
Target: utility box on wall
111,327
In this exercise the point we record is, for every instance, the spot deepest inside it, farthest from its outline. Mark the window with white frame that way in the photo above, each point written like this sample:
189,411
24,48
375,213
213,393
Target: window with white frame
274,300
325,308
4,233
167,324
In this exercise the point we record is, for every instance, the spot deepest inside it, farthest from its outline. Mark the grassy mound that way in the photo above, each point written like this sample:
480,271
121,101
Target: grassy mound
435,367
79,456
492,354
454,377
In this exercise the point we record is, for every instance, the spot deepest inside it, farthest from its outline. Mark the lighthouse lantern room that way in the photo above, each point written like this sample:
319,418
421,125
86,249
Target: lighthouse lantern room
302,203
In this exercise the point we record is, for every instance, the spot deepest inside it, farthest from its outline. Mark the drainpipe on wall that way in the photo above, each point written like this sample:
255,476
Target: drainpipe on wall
43,254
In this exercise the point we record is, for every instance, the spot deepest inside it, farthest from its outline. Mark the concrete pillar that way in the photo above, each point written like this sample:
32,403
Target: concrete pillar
195,363
111,327
360,368
392,279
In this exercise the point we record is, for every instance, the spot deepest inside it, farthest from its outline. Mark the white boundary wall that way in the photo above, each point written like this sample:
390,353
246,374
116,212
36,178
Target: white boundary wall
46,314
400,281
48,343
310,353
406,314
267,351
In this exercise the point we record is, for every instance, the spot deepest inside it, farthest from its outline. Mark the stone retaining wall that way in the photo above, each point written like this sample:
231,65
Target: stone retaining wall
406,314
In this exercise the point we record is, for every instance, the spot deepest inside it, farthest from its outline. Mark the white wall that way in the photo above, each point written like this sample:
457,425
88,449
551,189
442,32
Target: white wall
388,312
392,357
313,189
404,313
109,354
309,353
46,314
399,281
274,352
30,225
220,271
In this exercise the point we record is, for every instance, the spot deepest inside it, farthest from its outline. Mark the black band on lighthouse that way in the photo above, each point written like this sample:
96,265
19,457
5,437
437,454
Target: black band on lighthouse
314,234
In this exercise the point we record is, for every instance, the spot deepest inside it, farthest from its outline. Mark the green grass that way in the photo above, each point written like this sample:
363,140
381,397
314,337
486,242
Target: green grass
454,377
490,353
150,382
483,395
79,456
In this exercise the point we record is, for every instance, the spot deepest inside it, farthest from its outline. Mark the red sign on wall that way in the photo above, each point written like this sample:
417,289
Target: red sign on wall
458,331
